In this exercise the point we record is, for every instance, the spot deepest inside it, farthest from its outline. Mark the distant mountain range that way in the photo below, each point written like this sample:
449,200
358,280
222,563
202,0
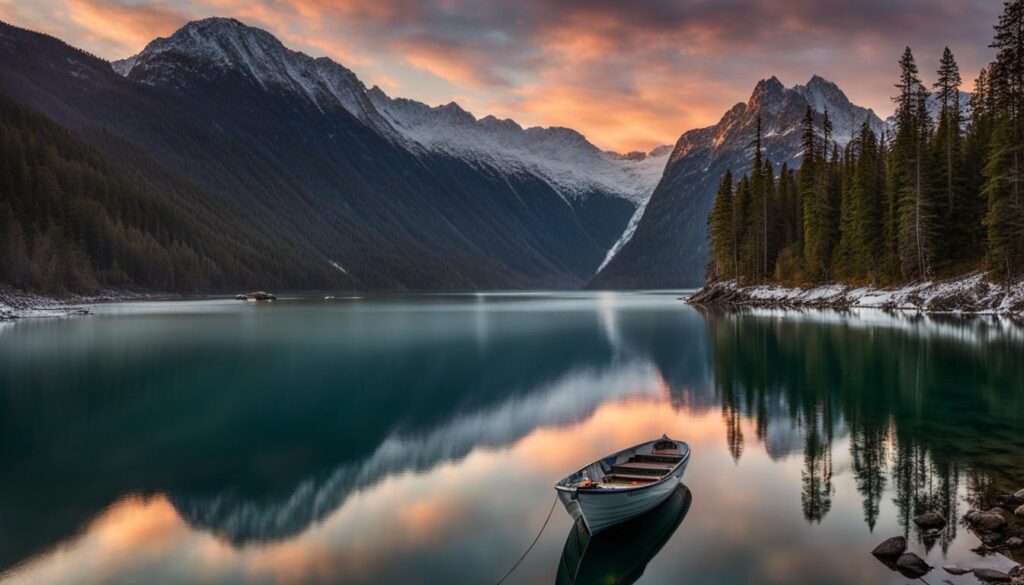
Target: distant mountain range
347,187
666,246
362,190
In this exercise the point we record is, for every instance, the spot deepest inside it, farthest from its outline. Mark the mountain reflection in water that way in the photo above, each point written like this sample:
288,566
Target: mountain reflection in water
416,439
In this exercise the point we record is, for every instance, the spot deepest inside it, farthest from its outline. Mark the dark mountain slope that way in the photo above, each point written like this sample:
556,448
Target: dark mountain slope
72,219
669,246
338,187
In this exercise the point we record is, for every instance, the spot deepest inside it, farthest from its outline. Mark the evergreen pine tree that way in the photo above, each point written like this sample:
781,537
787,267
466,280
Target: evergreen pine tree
722,233
1004,220
741,213
754,249
913,128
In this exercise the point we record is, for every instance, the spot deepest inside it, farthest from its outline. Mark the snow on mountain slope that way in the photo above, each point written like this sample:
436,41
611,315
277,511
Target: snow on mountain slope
561,156
823,95
215,47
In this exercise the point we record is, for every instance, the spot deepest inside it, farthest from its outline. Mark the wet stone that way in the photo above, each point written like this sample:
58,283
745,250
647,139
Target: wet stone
930,521
955,570
911,565
992,576
891,548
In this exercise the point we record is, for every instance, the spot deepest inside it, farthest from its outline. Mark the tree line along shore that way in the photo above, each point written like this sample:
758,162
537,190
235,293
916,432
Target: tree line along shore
935,198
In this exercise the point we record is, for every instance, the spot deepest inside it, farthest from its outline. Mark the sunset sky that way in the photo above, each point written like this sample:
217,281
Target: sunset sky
628,75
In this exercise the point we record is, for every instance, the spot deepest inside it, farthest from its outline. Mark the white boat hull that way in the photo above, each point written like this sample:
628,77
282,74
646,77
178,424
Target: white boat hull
602,509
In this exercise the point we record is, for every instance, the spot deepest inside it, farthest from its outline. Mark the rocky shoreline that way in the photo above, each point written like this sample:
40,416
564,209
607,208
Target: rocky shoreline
972,294
18,304
1000,530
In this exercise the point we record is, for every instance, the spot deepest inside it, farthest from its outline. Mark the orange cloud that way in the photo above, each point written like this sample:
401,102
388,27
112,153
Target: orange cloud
448,64
130,26
628,76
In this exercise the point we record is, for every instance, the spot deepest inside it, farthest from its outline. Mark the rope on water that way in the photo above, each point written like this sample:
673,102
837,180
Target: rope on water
516,566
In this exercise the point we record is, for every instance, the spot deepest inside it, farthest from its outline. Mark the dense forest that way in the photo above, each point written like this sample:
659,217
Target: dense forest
73,220
937,196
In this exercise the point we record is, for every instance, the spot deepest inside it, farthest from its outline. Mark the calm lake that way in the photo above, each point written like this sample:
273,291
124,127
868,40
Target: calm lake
416,439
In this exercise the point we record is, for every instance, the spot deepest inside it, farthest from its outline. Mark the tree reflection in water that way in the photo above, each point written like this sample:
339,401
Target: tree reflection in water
931,405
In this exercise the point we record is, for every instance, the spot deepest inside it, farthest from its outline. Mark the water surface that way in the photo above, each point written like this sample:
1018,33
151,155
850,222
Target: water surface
416,439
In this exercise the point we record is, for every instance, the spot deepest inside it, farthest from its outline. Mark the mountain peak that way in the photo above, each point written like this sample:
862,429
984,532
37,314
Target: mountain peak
769,96
817,80
768,86
214,25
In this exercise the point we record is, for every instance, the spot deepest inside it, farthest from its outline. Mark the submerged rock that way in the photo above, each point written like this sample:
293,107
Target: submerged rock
992,575
987,521
911,565
891,548
1015,542
990,538
930,520
1019,511
1019,495
955,570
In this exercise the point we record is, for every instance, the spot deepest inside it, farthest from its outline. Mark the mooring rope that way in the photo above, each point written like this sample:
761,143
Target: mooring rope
516,566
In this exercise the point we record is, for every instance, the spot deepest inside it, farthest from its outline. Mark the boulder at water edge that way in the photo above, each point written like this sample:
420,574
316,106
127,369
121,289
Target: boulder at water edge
911,565
891,548
930,520
991,576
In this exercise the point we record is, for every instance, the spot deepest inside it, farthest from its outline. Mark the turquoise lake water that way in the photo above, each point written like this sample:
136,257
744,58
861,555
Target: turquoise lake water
416,439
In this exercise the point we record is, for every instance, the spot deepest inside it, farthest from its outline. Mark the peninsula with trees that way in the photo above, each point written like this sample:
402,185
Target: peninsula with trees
927,215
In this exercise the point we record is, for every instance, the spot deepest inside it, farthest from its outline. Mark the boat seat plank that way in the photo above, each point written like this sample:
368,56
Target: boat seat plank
634,469
629,478
647,465
658,458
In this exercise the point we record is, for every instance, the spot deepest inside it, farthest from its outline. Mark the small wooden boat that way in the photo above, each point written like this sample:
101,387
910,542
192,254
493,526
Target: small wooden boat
621,554
256,296
624,485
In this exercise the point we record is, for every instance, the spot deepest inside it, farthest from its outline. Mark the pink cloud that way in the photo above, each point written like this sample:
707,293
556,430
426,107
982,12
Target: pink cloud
626,75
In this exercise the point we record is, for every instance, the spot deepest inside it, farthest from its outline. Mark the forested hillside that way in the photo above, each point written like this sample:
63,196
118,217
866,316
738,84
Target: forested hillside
316,182
937,196
73,220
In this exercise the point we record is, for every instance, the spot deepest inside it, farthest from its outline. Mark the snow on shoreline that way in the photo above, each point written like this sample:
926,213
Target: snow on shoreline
18,304
971,294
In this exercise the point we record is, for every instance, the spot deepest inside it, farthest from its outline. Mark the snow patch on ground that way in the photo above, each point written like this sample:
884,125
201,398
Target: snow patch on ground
18,304
971,294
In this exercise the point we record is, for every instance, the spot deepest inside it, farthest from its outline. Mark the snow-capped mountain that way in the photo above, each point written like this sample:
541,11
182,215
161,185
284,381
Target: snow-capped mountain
213,48
562,156
666,246
825,96
296,151
382,193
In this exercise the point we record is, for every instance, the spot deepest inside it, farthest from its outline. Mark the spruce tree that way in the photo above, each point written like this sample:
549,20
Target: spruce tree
814,195
913,128
975,153
741,213
1004,220
722,233
757,218
954,217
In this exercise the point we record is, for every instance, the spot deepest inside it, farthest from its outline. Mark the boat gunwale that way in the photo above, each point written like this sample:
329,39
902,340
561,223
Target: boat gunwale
599,491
